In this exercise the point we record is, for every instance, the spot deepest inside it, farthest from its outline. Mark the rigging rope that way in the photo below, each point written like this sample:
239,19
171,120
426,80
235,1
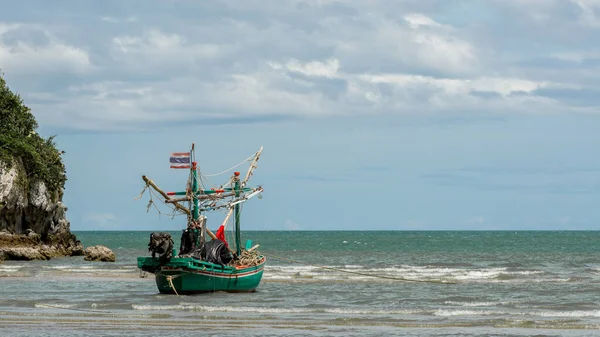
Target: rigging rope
362,274
231,168
175,211
142,192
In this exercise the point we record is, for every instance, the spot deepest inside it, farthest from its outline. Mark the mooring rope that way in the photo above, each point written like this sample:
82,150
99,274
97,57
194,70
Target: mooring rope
170,279
362,274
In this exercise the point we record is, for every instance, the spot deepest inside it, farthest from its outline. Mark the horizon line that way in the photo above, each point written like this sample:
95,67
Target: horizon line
356,230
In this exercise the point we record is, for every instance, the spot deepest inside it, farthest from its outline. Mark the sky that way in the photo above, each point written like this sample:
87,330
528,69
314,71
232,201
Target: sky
374,115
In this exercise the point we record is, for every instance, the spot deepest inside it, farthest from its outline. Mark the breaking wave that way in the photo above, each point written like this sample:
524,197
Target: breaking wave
408,272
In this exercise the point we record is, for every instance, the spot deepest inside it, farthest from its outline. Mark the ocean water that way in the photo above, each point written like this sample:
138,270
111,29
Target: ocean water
425,283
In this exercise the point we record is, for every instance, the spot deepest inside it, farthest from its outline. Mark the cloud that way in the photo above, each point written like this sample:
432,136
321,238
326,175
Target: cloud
164,52
326,69
417,20
575,97
589,12
112,19
128,67
101,221
29,49
532,180
291,225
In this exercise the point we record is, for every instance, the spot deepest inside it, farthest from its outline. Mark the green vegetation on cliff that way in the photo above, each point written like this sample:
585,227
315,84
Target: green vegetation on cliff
18,139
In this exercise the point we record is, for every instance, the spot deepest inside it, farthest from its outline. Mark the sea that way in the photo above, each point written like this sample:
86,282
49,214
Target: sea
325,283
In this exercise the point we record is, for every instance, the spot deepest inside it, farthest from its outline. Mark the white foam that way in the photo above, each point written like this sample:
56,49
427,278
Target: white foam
363,312
448,313
203,308
352,266
54,305
475,304
402,271
70,266
262,310
576,313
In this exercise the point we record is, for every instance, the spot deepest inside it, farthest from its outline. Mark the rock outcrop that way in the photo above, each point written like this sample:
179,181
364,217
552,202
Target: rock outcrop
33,222
32,177
99,253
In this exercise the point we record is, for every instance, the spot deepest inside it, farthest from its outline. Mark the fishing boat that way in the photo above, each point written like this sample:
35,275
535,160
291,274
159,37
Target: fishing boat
205,262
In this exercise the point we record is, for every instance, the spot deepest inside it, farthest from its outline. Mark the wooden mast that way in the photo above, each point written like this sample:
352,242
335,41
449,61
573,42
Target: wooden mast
252,167
195,210
236,208
236,211
195,201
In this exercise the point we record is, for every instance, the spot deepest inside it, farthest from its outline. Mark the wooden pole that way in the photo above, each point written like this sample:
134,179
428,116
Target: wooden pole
177,205
224,224
252,167
174,200
161,192
202,197
238,239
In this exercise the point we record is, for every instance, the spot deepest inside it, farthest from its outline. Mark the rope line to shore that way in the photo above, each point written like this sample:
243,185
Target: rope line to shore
170,279
362,274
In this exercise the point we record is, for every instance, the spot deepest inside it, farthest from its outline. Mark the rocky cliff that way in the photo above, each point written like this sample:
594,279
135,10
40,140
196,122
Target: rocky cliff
33,222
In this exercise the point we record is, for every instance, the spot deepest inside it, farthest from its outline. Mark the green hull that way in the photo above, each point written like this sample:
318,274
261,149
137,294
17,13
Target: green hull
186,275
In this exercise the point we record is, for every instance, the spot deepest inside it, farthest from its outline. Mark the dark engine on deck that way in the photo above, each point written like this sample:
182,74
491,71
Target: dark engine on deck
214,251
161,244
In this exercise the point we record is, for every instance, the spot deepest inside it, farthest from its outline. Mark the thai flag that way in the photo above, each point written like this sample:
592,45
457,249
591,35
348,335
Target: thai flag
180,160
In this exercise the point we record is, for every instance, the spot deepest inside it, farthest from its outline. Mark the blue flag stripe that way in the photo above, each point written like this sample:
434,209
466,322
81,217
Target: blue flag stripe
180,160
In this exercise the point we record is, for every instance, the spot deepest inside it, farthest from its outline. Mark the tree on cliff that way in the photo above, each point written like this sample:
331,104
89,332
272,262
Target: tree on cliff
19,141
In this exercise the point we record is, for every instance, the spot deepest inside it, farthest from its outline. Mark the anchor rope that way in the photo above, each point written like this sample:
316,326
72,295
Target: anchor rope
170,279
362,274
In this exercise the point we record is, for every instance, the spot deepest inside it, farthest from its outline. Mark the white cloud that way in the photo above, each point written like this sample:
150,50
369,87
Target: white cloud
502,86
156,48
299,58
292,225
112,19
445,52
7,27
327,69
109,19
101,221
53,57
416,20
123,105
420,43
589,8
